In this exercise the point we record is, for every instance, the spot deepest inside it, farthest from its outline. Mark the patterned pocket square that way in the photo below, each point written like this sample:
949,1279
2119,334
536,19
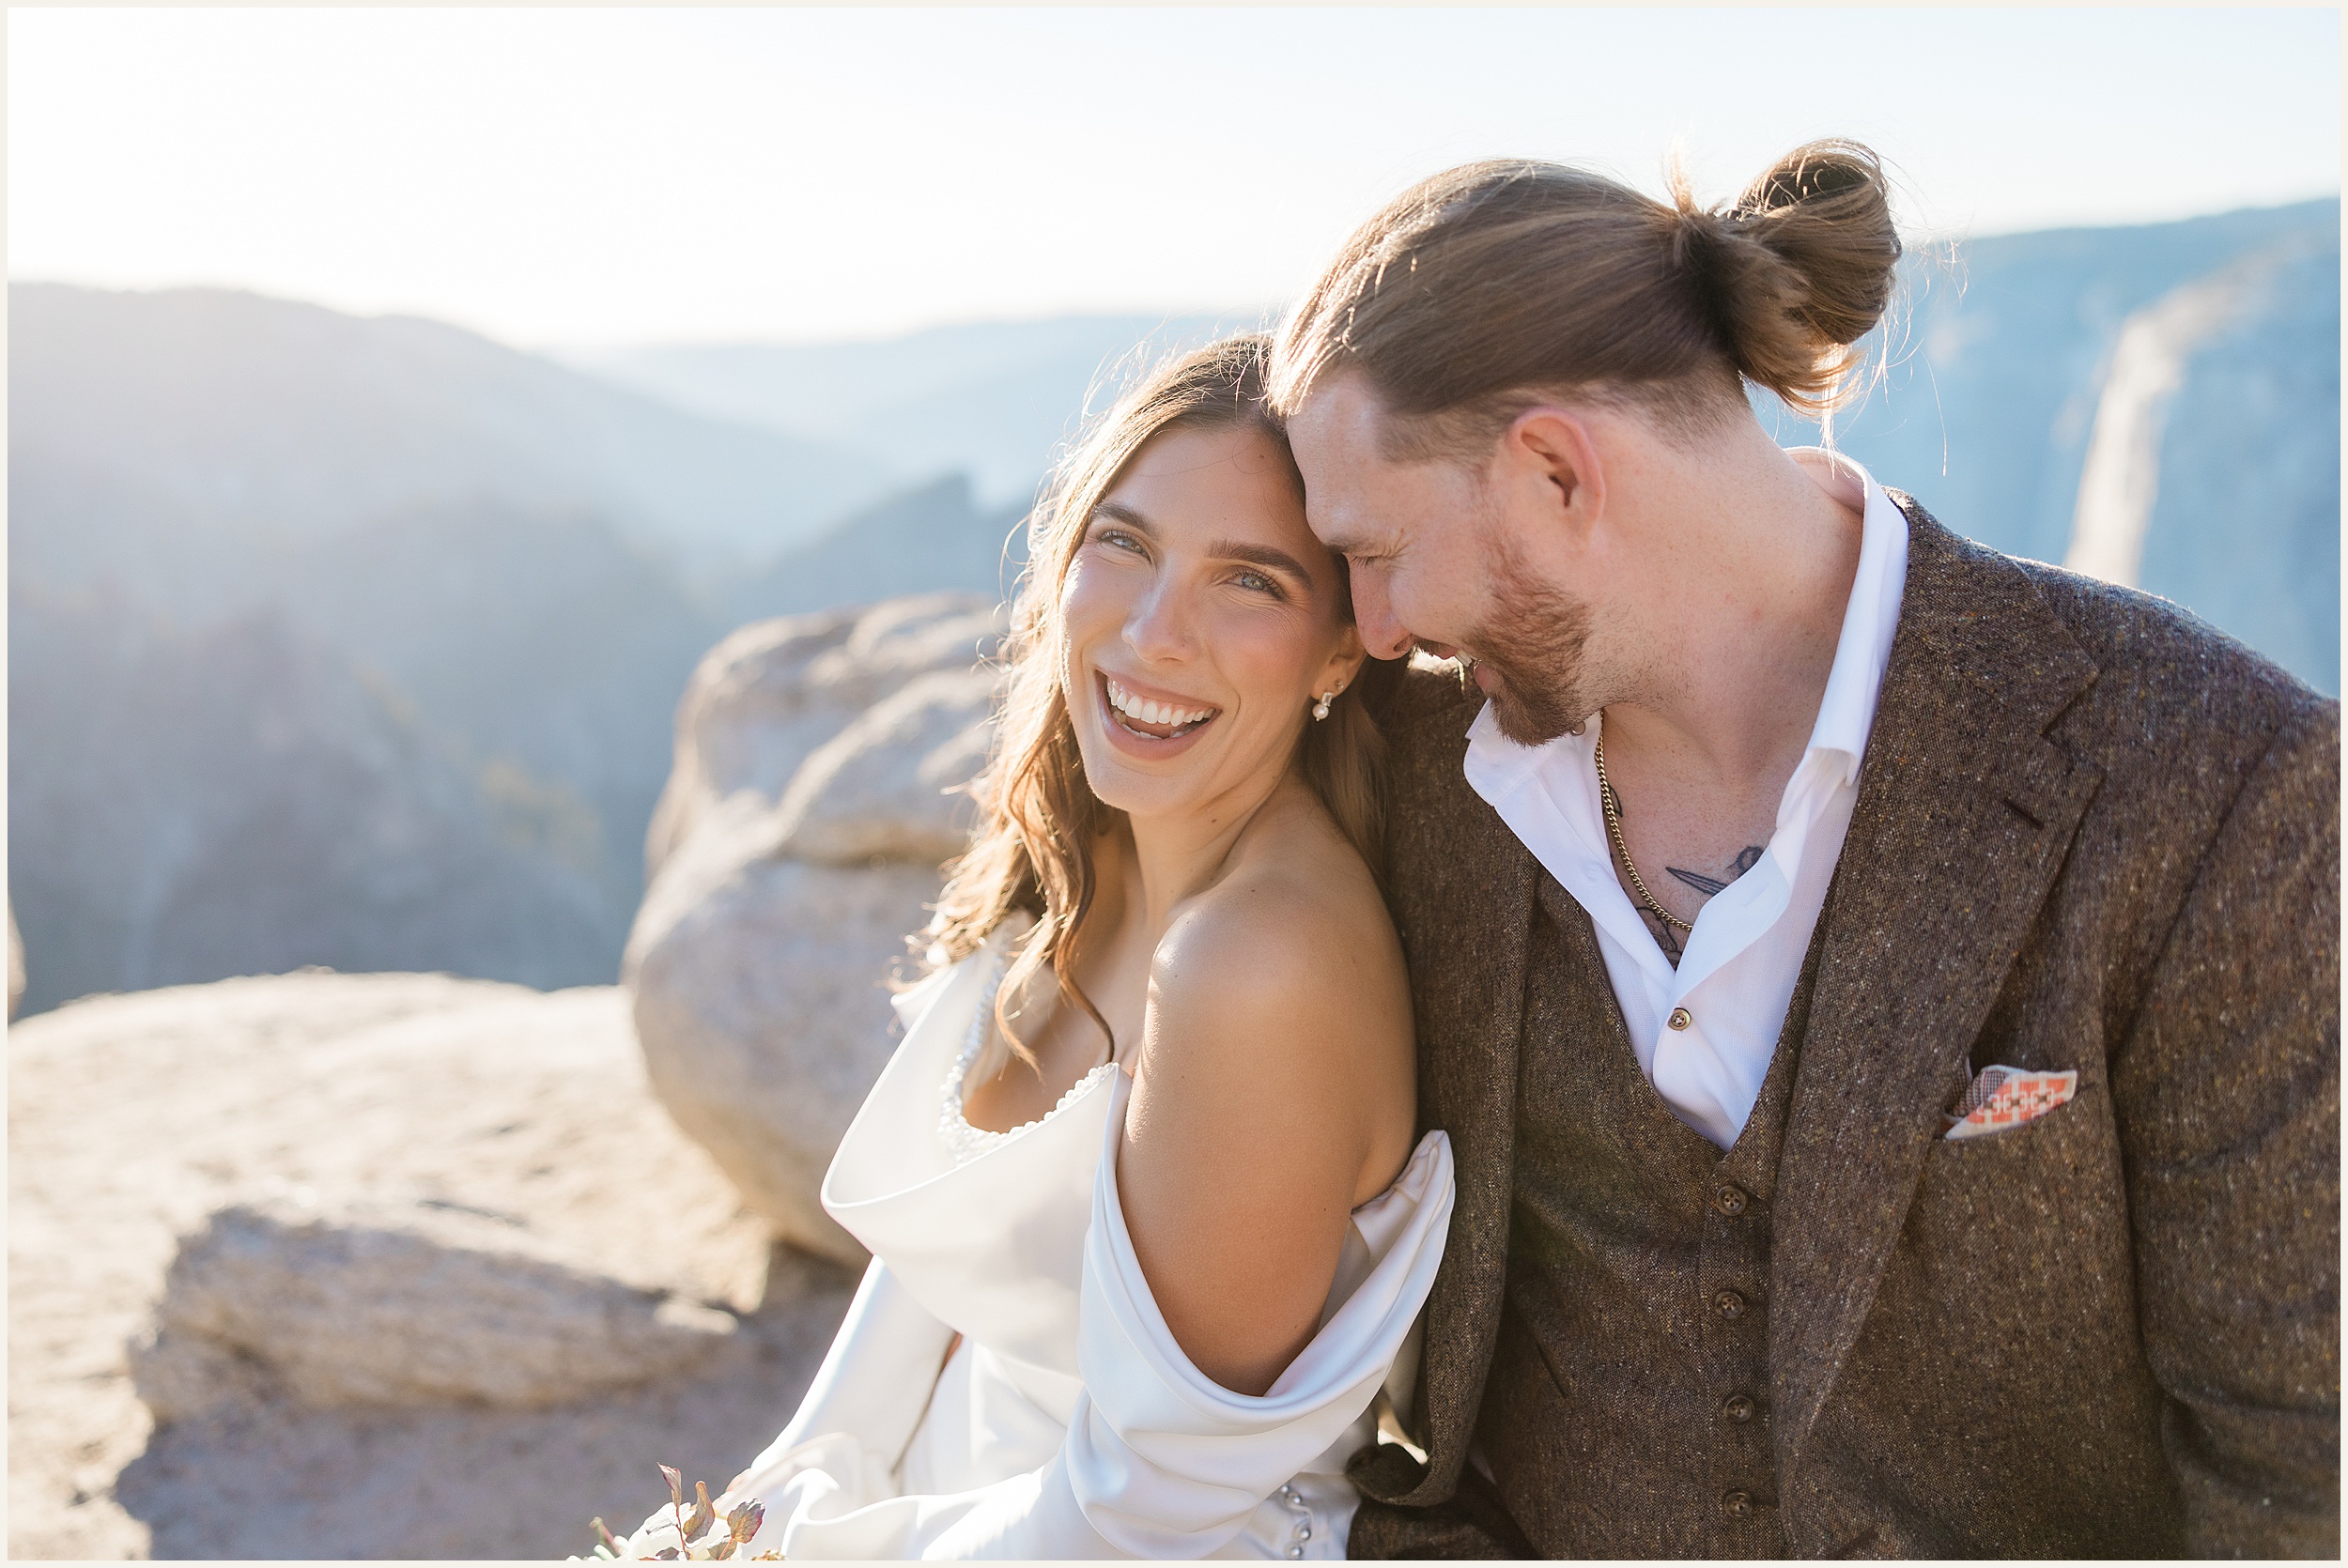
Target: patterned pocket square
2001,1098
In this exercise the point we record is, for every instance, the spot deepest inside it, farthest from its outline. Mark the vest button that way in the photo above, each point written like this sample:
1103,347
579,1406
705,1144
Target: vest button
1730,1199
1738,1407
1729,1306
1680,1017
1737,1505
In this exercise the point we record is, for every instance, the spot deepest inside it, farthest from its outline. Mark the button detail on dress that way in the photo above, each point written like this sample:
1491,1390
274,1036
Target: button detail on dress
1290,1495
1679,1019
1737,1505
1729,1306
1730,1199
1738,1407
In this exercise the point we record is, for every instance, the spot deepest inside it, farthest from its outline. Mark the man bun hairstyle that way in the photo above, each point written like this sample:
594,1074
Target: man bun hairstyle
1796,270
1493,286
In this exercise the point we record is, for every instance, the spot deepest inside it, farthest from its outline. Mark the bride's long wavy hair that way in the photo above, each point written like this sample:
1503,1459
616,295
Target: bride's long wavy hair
1039,818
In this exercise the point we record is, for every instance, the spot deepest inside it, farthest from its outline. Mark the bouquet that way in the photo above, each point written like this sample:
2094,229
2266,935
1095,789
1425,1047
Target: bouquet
698,1535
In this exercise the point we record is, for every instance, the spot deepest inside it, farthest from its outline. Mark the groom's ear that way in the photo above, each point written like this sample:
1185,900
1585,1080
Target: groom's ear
1549,454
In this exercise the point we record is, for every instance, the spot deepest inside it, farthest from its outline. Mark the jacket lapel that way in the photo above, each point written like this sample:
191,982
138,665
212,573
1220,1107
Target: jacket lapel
1469,925
1964,813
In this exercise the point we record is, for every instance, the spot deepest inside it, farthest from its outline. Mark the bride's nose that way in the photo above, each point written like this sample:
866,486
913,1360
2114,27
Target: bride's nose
1160,627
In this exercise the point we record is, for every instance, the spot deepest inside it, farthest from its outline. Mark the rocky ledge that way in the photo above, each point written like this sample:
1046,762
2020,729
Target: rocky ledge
372,1265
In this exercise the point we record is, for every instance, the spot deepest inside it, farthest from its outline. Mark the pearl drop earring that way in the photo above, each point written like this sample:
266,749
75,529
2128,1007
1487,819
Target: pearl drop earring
1321,709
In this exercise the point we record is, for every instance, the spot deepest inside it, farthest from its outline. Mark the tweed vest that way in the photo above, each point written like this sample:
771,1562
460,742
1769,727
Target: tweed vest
1632,1354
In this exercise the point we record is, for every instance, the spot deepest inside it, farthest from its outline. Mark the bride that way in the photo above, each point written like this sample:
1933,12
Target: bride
1150,1232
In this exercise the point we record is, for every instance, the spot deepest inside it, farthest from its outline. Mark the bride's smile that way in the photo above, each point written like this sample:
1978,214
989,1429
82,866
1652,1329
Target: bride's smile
1149,714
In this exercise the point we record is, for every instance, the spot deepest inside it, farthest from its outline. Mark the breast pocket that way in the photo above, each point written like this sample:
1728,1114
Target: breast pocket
2028,1205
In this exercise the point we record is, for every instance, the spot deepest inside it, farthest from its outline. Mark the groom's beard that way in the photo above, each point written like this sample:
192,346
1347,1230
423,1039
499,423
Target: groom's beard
1533,642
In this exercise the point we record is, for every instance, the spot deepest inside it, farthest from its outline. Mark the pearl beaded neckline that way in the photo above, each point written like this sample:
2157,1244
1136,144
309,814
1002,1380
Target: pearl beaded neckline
963,1142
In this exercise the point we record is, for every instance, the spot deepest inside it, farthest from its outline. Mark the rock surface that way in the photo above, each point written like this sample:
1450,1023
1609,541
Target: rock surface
403,1304
762,700
814,796
302,1141
891,785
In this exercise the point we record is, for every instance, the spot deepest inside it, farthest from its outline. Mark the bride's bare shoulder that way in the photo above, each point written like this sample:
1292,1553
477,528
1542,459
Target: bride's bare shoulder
1288,975
1292,914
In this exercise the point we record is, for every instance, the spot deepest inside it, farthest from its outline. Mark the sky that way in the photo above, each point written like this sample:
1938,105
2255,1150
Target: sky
596,178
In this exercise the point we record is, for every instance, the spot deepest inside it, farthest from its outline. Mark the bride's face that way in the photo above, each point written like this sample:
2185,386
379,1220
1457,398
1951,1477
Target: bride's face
1201,619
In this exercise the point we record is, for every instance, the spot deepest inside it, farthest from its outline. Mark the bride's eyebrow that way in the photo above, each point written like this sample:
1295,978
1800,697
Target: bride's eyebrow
1266,556
1120,512
1260,555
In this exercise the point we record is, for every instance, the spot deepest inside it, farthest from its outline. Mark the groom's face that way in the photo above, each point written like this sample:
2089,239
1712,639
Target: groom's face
1436,563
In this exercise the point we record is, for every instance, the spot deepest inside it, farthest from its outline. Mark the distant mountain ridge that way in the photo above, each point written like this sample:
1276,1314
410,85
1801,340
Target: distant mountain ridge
993,400
936,536
138,420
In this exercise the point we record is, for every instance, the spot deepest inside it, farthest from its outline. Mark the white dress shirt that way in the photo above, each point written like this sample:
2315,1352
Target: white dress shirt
1736,978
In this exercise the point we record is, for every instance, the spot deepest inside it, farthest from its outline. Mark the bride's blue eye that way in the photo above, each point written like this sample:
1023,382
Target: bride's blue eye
1259,583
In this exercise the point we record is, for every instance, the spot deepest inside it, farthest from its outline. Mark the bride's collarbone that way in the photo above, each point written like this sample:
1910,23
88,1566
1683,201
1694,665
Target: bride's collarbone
1063,1044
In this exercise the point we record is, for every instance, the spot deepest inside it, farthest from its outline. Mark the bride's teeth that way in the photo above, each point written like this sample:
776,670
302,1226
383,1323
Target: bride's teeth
1143,711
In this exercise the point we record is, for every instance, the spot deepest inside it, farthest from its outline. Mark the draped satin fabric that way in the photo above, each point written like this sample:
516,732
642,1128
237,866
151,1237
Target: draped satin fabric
1066,1423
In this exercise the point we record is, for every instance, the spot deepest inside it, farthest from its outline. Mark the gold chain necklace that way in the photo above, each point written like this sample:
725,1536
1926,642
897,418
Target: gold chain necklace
1614,829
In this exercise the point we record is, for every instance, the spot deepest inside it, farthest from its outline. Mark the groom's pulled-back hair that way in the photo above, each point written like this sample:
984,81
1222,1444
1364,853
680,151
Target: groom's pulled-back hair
1481,290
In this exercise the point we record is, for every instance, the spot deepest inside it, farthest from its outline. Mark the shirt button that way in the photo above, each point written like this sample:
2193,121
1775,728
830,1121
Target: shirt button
1729,1306
1738,1407
1730,1199
1680,1017
1737,1505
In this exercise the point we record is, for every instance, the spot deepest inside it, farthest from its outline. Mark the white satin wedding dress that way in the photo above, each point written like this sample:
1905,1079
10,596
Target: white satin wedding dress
1066,1423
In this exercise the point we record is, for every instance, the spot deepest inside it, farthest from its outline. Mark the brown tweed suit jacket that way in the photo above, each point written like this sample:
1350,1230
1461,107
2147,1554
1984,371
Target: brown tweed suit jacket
2090,832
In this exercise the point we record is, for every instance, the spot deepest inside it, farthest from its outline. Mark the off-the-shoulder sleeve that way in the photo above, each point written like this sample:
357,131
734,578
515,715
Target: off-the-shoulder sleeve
1164,1461
867,1397
1161,1461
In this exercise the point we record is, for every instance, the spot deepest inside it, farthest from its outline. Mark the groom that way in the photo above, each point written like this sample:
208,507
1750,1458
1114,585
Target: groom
1882,994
